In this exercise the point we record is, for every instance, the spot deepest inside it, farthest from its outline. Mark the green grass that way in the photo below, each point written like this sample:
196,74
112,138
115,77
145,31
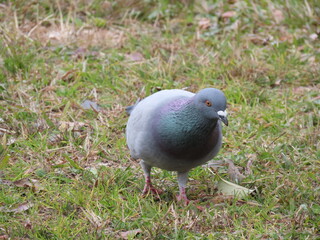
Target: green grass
53,56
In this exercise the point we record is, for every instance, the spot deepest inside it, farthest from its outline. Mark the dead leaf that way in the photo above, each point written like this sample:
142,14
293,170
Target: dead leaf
87,104
71,126
135,57
6,182
4,237
301,214
286,37
251,203
29,183
214,164
130,233
302,90
234,173
232,189
24,182
21,208
259,40
41,124
228,14
27,224
316,99
313,36
54,138
221,199
79,53
277,15
204,23
248,170
7,131
96,221
276,83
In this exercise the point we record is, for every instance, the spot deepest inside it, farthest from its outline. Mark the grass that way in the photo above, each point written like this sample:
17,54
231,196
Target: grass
78,181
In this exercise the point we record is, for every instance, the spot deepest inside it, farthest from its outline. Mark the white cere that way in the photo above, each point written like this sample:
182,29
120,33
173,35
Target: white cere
222,113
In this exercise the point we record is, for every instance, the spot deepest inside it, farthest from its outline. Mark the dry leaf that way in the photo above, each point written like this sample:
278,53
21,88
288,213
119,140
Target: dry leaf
301,214
87,104
229,14
135,57
21,208
221,199
232,189
96,221
204,23
29,183
54,138
130,233
214,164
79,52
71,126
276,83
301,90
248,170
259,40
7,131
316,99
277,15
69,75
28,224
25,182
6,182
234,173
313,36
251,203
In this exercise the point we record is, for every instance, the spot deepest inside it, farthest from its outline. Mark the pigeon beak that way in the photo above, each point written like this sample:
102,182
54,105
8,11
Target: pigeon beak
223,117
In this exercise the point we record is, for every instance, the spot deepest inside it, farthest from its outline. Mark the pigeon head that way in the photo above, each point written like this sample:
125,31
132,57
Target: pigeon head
212,103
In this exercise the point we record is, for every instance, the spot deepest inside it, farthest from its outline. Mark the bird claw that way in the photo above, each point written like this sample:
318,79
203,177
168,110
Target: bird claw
183,199
149,188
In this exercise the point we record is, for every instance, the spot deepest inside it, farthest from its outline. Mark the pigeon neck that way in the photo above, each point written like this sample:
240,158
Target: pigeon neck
181,130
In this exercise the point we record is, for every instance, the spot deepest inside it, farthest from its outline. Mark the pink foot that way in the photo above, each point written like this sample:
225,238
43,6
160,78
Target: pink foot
184,200
149,188
182,197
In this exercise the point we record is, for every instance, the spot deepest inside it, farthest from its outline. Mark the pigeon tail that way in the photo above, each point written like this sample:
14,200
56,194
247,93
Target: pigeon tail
130,108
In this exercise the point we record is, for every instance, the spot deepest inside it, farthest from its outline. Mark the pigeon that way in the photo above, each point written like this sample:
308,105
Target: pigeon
176,130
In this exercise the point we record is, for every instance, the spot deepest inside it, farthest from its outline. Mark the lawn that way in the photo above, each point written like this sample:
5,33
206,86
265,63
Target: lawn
69,68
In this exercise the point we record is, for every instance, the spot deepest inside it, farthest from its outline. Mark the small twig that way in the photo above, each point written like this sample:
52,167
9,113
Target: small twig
38,24
7,131
276,139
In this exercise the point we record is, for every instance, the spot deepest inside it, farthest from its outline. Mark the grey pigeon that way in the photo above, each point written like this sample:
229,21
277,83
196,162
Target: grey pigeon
176,130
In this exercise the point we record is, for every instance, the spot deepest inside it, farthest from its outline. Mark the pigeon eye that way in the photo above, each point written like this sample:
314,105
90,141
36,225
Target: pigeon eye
208,103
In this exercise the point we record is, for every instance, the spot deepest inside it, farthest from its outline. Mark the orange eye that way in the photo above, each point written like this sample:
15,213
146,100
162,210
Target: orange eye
208,103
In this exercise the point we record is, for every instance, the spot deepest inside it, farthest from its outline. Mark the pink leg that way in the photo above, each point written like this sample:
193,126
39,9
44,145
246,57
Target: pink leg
182,197
182,181
148,186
